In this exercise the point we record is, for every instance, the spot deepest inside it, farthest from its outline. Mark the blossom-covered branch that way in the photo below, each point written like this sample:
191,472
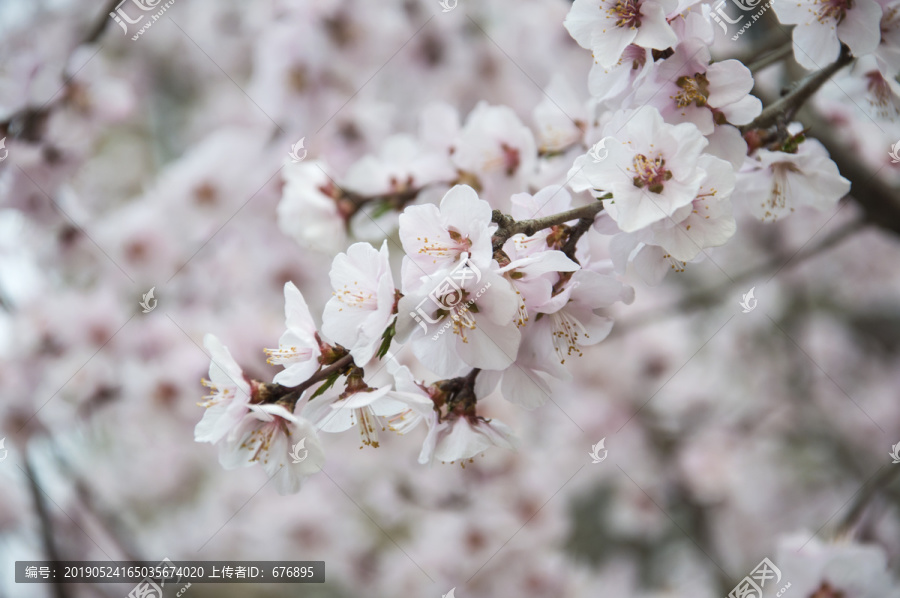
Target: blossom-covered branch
499,287
509,226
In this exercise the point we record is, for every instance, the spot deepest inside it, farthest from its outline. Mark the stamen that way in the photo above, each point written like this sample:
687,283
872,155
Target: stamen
566,332
694,90
650,173
627,13
368,426
287,355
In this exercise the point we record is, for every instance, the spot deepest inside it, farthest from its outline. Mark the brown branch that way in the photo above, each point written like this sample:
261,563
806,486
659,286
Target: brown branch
574,234
783,110
275,393
509,227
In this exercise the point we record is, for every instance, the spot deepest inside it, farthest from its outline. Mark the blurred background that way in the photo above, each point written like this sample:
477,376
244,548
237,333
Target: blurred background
156,163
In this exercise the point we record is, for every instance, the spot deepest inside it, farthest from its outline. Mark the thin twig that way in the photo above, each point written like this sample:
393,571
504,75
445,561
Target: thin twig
323,374
98,29
772,57
785,107
575,233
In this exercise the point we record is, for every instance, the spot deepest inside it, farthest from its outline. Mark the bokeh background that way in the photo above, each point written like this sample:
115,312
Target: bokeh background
157,162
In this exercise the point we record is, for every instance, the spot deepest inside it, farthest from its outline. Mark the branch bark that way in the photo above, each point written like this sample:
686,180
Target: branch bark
509,227
782,110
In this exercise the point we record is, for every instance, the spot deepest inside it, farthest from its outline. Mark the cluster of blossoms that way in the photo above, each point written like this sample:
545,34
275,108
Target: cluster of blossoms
512,316
131,164
498,287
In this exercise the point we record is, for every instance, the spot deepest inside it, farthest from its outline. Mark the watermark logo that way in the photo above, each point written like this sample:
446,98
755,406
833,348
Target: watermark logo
599,152
719,15
3,147
752,585
148,588
449,5
449,594
595,451
448,297
894,153
145,303
748,302
3,451
895,452
123,19
295,451
294,154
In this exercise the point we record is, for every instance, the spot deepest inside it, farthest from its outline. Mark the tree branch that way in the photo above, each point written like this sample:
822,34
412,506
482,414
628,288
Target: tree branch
509,227
338,366
879,200
776,55
784,108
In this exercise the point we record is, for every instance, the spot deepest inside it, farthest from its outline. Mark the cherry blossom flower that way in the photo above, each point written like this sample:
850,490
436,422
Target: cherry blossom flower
614,82
402,164
471,313
526,382
821,28
844,568
308,211
865,86
607,27
497,148
435,238
298,348
418,400
888,50
549,201
358,406
362,304
652,168
463,437
567,322
230,392
264,435
685,87
452,437
670,243
533,274
560,117
439,127
773,183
